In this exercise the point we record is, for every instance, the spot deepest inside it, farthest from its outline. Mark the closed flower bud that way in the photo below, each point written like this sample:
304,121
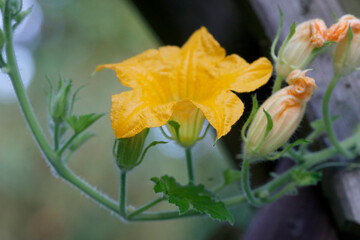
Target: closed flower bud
127,151
190,119
61,104
286,108
297,52
346,58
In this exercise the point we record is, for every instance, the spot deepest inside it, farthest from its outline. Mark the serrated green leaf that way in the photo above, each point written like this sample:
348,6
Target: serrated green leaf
231,175
82,122
182,204
190,195
306,178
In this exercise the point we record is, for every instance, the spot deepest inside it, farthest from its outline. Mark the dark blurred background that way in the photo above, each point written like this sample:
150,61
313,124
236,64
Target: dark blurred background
71,38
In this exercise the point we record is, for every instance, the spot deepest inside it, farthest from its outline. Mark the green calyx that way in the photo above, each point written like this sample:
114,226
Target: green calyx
127,151
60,106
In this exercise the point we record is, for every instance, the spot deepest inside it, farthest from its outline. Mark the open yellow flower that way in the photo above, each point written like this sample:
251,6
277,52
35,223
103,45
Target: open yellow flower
184,84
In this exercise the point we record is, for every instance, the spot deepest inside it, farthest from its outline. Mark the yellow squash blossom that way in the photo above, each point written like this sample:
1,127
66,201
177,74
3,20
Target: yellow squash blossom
185,85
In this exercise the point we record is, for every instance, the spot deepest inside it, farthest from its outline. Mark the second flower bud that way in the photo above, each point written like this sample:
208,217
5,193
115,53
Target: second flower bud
286,108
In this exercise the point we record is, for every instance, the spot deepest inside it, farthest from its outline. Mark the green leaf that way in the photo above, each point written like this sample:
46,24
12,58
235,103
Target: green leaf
80,123
306,178
190,195
231,176
80,140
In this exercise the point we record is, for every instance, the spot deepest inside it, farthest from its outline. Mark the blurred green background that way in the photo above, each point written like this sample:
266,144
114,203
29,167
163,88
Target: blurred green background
76,37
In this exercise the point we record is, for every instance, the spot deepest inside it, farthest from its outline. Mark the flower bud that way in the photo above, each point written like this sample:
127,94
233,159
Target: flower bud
60,106
345,58
297,52
127,151
190,119
286,108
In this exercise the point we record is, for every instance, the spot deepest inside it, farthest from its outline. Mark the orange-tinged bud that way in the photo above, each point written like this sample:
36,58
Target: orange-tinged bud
286,108
297,52
345,57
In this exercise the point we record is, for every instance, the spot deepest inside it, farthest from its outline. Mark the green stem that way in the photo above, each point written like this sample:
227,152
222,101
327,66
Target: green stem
20,91
68,142
34,125
285,190
145,207
122,209
56,136
85,188
189,165
234,200
245,180
327,119
331,165
277,83
164,215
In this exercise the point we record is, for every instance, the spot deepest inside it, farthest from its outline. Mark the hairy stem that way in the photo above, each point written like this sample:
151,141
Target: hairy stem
20,91
245,180
34,125
145,207
327,119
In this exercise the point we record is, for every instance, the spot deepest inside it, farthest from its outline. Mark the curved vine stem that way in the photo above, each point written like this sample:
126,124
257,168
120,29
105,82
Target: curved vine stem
245,180
43,144
327,119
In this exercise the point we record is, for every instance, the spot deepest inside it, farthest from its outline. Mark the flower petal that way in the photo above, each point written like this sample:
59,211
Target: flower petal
222,111
203,44
199,58
150,70
241,76
130,114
